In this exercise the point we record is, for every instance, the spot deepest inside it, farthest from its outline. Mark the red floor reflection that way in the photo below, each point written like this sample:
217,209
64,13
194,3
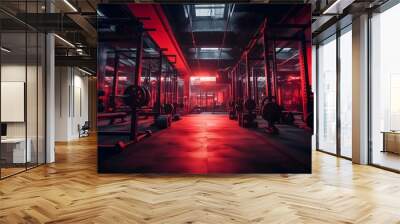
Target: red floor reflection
208,143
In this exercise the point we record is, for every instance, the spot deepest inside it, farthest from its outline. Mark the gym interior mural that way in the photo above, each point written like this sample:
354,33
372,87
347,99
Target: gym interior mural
204,88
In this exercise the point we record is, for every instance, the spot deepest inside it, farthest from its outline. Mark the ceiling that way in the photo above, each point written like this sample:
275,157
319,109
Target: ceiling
213,37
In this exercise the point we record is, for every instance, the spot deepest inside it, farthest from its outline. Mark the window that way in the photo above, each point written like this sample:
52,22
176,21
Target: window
346,92
327,95
385,89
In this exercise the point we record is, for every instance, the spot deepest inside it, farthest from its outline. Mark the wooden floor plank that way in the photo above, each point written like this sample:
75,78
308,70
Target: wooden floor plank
71,191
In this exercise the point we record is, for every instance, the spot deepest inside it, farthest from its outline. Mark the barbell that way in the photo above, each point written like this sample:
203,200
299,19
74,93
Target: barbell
239,106
136,96
168,108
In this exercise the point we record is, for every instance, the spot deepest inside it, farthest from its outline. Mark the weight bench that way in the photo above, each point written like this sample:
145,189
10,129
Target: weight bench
112,116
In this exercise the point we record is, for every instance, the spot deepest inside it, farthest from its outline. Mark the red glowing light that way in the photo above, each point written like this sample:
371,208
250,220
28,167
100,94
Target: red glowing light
203,79
292,78
163,35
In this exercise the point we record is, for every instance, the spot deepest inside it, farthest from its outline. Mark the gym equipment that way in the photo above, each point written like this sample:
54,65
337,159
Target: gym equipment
163,121
310,120
136,96
148,95
176,117
232,110
271,112
112,116
250,104
168,108
248,120
270,99
121,145
288,118
101,93
249,116
100,106
239,106
232,115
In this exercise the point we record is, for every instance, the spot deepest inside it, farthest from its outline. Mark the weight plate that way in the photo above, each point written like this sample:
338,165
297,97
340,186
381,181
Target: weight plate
271,112
134,96
250,104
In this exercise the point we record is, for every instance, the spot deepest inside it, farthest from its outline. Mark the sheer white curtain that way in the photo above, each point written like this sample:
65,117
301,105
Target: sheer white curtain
327,96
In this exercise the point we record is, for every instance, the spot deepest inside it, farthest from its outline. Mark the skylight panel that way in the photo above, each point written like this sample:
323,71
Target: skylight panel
215,11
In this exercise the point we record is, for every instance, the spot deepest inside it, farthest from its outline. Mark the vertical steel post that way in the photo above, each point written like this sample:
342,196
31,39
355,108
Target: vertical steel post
187,92
266,67
114,90
234,84
255,82
248,75
165,84
305,77
138,75
176,87
231,92
158,100
275,71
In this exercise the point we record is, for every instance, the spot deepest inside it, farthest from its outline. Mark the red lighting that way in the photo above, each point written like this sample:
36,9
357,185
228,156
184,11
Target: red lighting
109,68
204,74
123,78
203,79
163,35
292,78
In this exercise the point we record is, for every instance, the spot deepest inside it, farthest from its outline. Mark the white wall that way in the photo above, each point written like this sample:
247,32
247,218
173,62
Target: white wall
33,127
71,102
10,73
16,73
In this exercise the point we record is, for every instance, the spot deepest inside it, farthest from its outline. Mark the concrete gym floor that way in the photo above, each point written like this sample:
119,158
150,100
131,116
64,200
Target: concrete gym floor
211,143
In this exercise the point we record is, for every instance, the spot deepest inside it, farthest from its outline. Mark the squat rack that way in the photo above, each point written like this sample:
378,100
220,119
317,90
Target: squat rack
270,67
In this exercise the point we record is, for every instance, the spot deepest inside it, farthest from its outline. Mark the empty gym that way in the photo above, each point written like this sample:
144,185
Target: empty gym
216,108
199,111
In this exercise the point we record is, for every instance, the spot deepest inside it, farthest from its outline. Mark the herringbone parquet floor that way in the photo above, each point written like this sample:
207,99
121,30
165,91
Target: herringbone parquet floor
71,191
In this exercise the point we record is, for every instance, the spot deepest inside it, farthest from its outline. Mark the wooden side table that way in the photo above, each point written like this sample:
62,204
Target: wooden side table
391,141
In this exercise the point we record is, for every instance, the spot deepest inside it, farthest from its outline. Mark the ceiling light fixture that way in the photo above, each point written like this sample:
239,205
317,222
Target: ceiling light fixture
84,71
70,5
326,11
99,13
337,7
64,40
5,50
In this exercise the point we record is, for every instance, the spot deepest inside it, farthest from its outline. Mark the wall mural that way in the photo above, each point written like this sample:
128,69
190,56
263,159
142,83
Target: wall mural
204,88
